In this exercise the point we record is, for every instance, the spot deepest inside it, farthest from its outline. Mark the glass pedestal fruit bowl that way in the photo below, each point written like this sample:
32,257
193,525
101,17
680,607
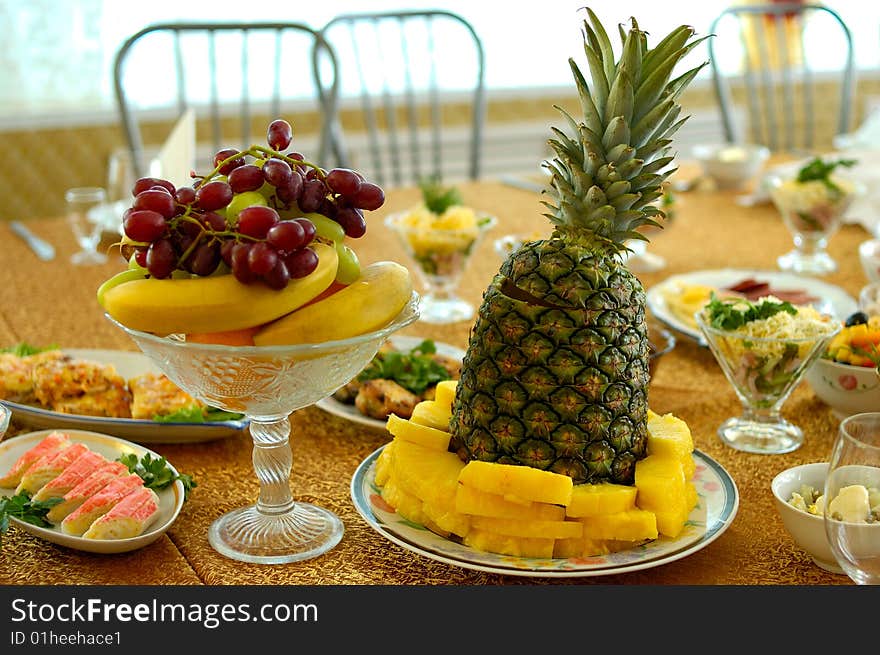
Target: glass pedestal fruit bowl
267,383
441,256
763,372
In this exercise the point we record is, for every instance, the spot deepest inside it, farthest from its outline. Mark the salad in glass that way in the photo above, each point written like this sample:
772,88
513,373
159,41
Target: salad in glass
764,347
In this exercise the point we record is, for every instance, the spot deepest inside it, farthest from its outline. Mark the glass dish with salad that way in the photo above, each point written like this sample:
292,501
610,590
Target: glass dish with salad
764,347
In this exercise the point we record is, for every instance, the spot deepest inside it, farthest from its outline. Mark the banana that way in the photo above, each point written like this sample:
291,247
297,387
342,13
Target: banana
213,304
367,304
127,275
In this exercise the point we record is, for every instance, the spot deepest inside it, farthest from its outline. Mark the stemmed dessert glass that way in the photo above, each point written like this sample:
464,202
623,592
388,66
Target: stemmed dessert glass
812,220
441,257
268,383
853,533
763,372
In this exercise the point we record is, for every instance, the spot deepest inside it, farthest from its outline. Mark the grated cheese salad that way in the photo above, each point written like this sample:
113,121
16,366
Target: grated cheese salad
765,345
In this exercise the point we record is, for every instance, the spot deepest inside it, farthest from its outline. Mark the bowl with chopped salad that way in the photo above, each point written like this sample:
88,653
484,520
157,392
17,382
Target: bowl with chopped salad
764,347
845,377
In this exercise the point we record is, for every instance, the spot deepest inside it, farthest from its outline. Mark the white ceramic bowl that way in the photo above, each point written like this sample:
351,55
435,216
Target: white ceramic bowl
807,530
869,256
848,389
730,165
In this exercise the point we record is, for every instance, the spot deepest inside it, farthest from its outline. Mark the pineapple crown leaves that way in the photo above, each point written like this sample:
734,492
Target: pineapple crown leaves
609,167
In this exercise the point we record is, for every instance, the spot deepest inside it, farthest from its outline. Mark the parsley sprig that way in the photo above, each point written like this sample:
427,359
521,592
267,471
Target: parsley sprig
819,169
24,349
156,473
438,198
733,313
23,508
414,369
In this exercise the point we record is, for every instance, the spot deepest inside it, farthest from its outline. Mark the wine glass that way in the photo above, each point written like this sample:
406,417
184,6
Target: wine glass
852,498
441,256
83,207
812,212
267,383
763,372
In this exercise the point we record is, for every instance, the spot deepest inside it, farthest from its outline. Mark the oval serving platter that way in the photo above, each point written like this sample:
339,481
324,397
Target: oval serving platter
170,498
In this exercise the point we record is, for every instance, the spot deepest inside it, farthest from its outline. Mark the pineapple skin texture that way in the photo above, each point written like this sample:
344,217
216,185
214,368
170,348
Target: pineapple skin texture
558,384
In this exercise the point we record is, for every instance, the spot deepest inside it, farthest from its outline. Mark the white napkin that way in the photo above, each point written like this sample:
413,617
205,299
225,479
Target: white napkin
176,157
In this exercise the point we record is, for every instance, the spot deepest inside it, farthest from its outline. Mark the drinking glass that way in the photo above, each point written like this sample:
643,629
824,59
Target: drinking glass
763,372
441,257
84,205
812,213
852,523
268,383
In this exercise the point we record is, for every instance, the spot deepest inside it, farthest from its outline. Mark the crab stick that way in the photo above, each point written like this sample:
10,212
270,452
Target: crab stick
79,520
79,470
52,443
85,489
128,518
49,467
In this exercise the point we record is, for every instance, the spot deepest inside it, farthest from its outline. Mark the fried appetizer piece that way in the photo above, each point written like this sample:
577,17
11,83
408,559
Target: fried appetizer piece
348,393
78,386
16,375
380,397
49,467
82,467
51,443
85,489
128,518
154,394
79,520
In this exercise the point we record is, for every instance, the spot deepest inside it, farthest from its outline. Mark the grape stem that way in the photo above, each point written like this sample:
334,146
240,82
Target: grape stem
256,151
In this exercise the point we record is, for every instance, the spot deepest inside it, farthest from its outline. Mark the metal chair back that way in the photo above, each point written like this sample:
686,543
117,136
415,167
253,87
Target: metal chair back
779,85
407,71
228,73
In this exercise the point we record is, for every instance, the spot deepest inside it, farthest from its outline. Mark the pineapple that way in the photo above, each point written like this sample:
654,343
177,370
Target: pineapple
599,499
432,477
423,435
444,393
517,483
433,414
528,528
493,542
556,372
629,525
481,503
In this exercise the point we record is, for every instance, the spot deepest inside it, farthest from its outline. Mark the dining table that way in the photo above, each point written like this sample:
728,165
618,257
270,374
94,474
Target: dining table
54,302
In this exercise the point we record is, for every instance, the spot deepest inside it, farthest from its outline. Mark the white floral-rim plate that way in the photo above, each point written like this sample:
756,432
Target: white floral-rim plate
170,498
718,501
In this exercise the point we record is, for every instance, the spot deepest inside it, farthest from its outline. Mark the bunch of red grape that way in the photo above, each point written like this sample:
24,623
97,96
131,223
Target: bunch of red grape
232,217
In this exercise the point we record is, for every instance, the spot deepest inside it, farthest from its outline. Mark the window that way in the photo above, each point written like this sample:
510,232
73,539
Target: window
56,56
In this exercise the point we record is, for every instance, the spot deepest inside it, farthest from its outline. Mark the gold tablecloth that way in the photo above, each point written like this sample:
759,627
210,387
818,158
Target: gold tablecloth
54,303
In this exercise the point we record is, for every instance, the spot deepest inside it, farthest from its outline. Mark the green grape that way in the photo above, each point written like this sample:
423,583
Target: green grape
178,274
243,200
326,227
349,267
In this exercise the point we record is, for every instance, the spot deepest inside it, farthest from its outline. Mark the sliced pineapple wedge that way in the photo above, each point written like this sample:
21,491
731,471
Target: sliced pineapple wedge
422,435
505,545
518,483
599,499
469,500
